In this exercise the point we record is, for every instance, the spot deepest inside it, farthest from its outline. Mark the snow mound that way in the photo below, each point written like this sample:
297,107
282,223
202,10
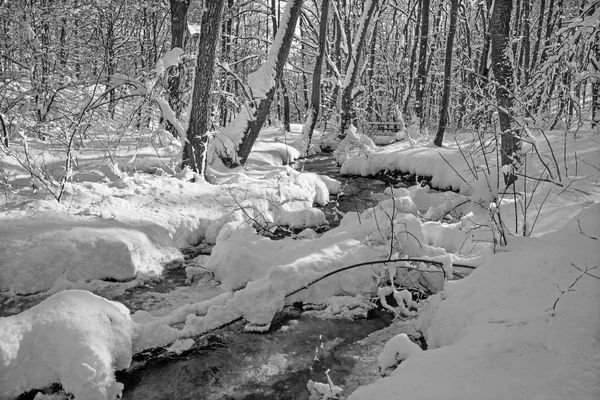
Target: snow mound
74,338
36,253
396,350
304,218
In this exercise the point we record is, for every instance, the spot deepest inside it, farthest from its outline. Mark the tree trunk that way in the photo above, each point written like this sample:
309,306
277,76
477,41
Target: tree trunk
315,99
525,46
303,62
255,112
195,149
503,73
422,70
536,48
354,58
370,74
286,104
337,59
439,137
411,68
595,82
178,35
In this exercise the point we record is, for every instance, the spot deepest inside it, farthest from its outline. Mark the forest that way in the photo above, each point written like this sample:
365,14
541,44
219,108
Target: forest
303,199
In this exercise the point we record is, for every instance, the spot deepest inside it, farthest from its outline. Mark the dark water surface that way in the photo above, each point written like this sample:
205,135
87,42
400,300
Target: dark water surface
232,364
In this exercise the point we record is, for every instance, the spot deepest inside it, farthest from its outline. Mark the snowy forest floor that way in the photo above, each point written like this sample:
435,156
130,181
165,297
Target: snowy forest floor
524,324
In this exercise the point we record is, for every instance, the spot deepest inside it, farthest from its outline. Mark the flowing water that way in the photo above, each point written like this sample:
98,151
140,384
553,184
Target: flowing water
232,364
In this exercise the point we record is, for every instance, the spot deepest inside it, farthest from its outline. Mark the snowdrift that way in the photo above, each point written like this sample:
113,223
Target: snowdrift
501,333
73,337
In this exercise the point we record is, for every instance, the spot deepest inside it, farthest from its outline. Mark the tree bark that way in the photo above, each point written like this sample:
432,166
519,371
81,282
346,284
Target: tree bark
337,59
595,81
536,48
196,146
503,75
439,137
315,99
422,69
370,74
525,46
179,10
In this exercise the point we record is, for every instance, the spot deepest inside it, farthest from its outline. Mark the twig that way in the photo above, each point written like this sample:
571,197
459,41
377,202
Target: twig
570,288
581,231
450,165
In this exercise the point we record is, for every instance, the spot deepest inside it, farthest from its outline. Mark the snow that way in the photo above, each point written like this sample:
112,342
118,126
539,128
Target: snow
500,330
36,253
420,161
324,390
397,349
496,333
75,338
170,59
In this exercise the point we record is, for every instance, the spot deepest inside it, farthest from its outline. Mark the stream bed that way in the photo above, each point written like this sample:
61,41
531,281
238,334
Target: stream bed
230,363
233,364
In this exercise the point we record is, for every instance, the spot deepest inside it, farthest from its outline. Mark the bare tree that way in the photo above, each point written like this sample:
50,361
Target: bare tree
240,135
439,137
179,10
196,146
503,75
422,69
315,99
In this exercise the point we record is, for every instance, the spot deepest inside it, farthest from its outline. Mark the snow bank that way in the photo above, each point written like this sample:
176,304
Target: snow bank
303,218
74,338
36,253
421,161
269,270
501,332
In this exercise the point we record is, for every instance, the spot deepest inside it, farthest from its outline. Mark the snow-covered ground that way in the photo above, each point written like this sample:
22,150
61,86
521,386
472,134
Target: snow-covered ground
524,324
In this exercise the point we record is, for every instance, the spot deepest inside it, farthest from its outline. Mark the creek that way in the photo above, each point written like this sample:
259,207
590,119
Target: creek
232,364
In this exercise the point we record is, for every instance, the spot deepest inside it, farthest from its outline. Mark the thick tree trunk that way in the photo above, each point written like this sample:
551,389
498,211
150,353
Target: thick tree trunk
178,35
536,48
439,137
525,46
596,82
315,99
503,74
485,53
276,61
422,69
196,146
354,58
